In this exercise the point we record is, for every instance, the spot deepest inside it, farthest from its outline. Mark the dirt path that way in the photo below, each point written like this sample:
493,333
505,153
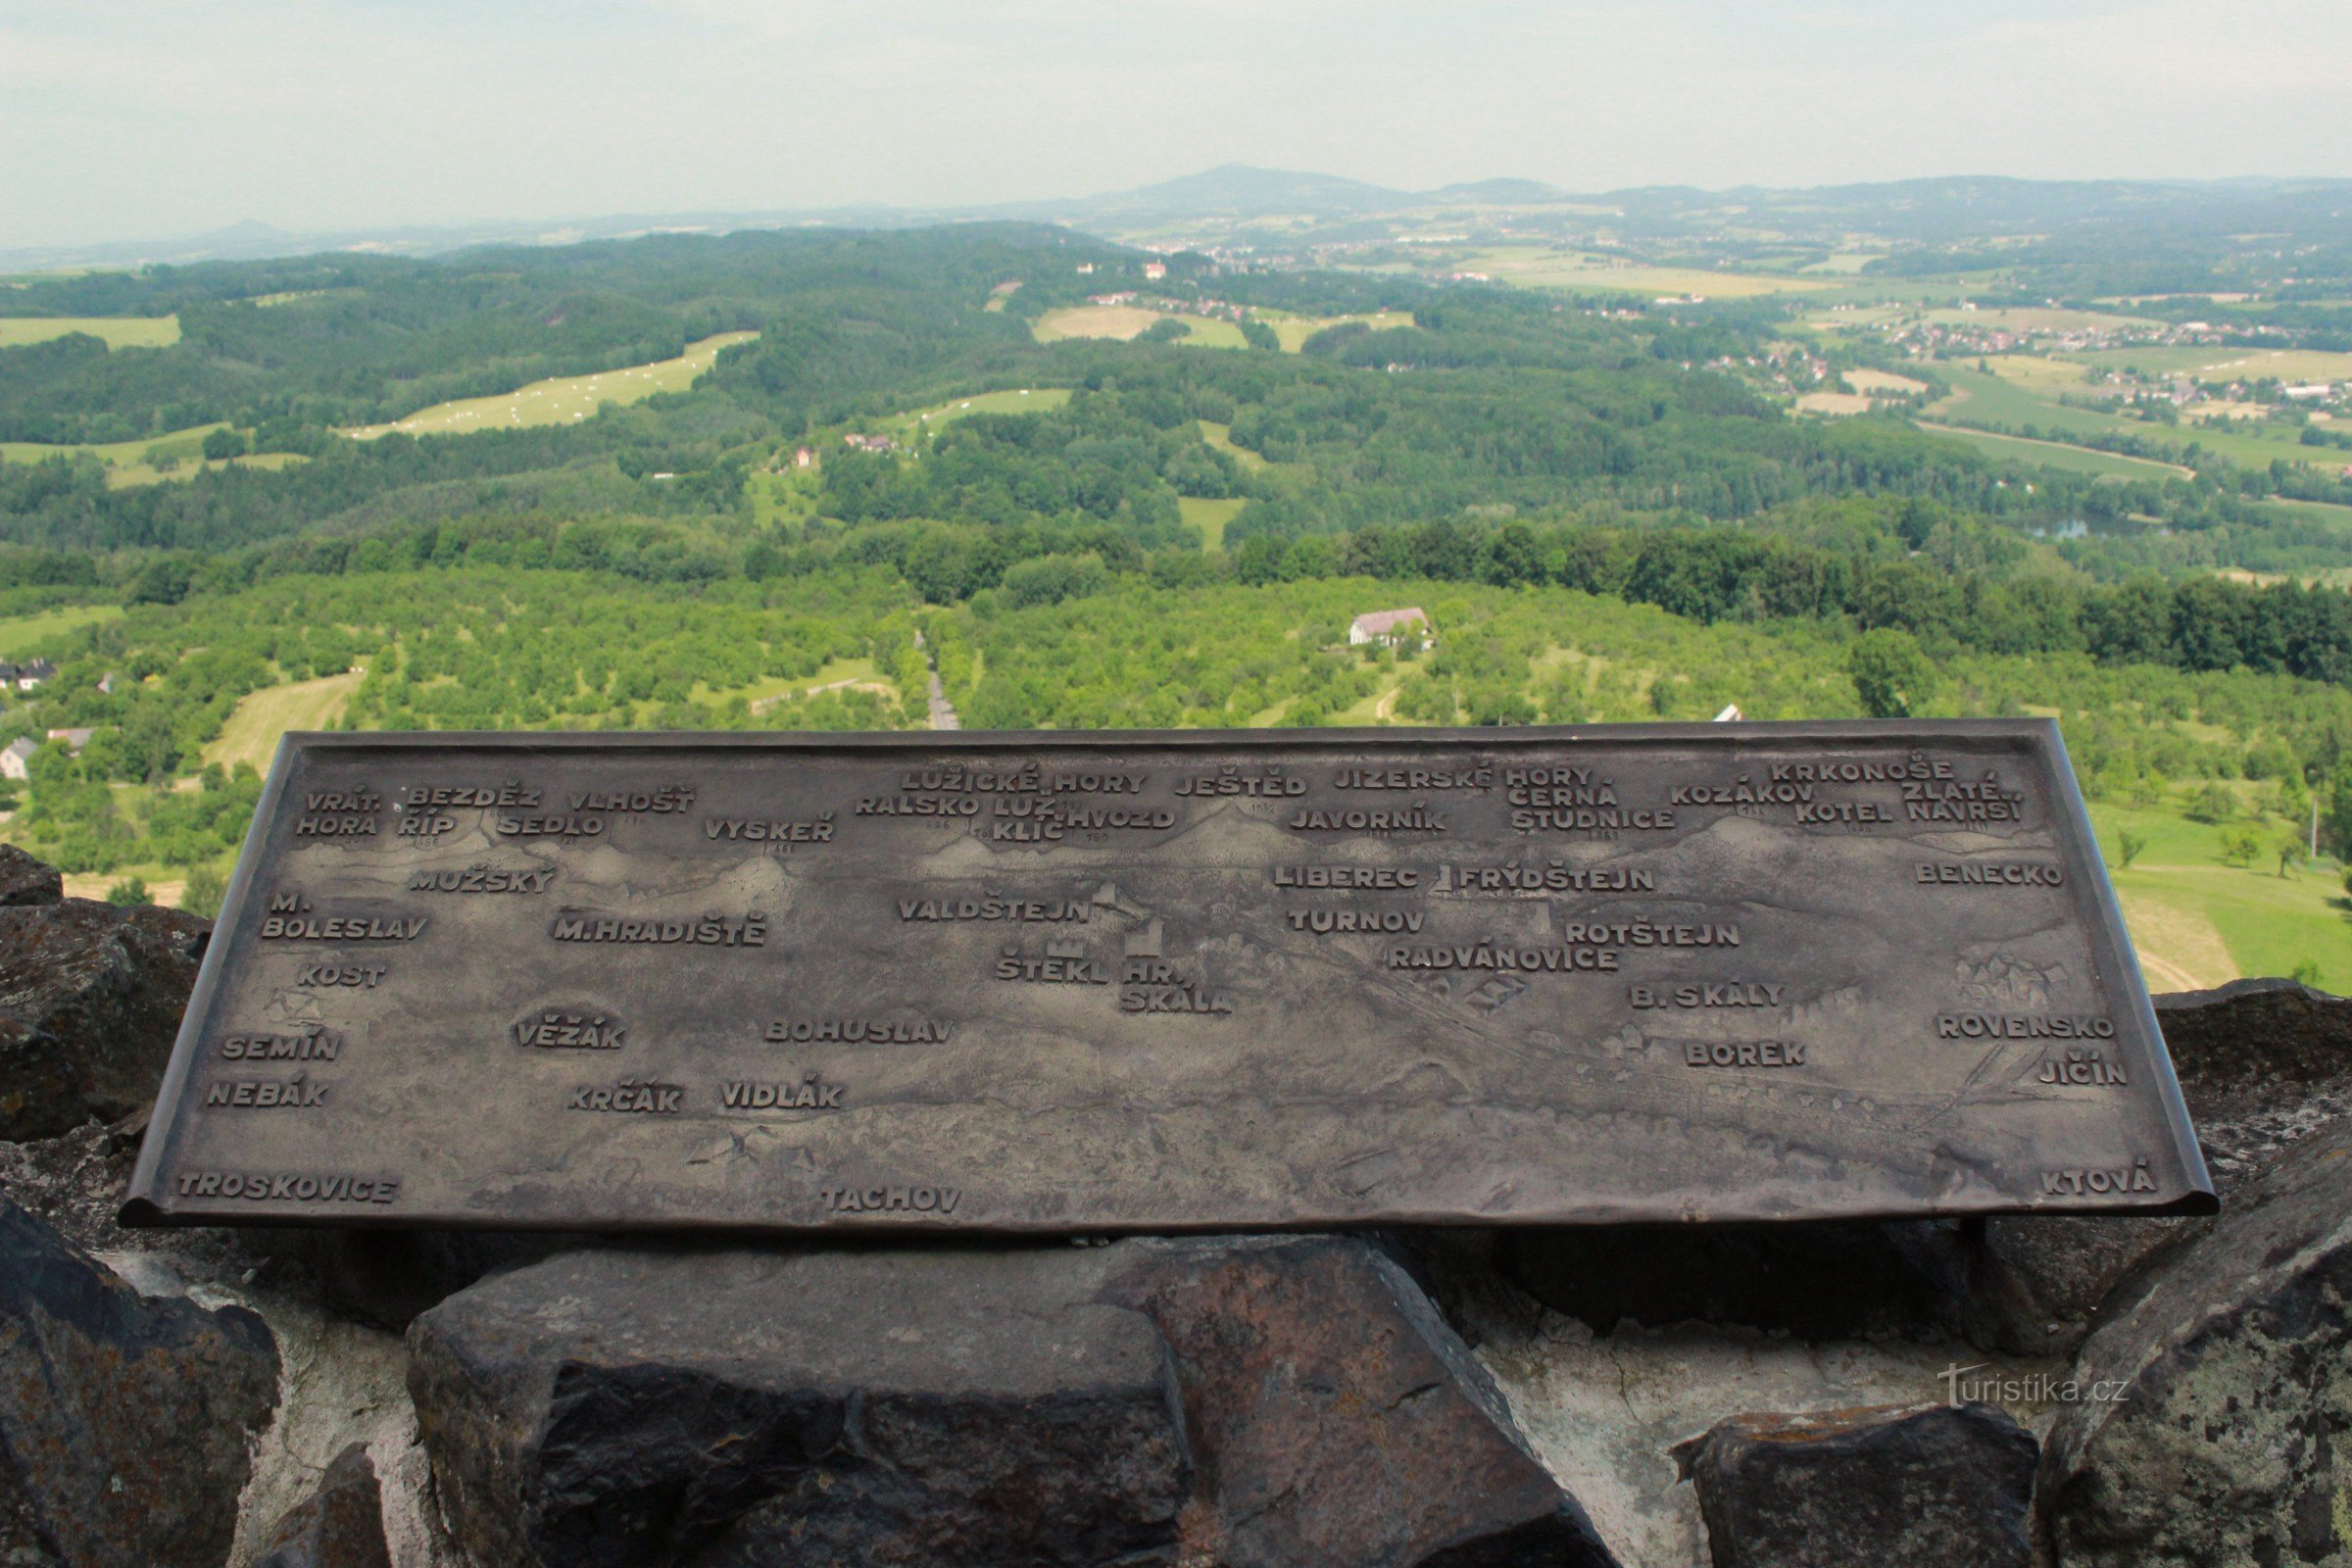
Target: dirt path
2179,949
943,711
853,684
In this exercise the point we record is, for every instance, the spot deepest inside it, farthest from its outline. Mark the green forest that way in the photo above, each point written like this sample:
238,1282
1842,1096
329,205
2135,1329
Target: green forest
1608,513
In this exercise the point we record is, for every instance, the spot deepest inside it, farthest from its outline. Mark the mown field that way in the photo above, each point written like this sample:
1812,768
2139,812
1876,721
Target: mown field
24,636
2022,389
2200,920
1125,322
1294,329
251,733
147,459
117,331
2219,364
1581,271
1122,322
2059,455
1019,400
563,400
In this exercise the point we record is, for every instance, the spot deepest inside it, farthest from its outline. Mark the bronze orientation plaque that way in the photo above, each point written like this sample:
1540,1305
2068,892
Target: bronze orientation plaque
1098,982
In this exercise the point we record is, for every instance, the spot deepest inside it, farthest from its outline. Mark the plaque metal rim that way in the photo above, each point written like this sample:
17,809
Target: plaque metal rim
2112,939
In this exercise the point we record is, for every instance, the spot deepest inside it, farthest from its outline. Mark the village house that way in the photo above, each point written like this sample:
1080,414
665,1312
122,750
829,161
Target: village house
869,442
1386,626
75,739
1156,270
804,458
16,758
26,677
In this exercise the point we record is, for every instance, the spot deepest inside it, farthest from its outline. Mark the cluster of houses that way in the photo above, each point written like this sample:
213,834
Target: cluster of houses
1155,271
1221,310
1925,335
16,758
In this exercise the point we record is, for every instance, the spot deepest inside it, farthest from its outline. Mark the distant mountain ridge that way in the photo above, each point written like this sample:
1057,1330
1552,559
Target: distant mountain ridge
1925,210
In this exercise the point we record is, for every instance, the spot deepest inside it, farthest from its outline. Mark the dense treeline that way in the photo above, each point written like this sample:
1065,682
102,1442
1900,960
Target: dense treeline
339,341
1952,581
2200,623
1489,400
1231,655
487,649
474,645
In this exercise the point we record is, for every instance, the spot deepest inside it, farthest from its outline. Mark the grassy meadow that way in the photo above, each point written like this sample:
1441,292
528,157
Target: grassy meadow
1210,517
24,636
144,461
563,400
117,331
1126,323
2199,920
1294,329
250,734
2024,389
2059,455
1121,322
1578,272
1023,400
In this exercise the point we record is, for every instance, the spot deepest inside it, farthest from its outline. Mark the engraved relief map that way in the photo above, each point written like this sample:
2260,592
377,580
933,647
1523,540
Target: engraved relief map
1199,980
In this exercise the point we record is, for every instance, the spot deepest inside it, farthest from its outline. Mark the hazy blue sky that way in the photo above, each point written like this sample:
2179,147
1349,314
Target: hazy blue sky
135,118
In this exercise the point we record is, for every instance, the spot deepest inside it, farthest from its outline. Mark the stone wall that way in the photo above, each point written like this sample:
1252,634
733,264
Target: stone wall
1654,1397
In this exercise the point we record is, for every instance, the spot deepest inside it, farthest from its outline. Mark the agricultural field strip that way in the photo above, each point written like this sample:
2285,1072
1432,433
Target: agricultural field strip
564,399
116,331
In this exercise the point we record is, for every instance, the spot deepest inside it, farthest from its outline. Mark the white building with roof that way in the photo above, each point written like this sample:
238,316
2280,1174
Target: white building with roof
1386,626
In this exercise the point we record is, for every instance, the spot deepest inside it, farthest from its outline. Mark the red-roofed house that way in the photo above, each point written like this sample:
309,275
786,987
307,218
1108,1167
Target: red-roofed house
1385,626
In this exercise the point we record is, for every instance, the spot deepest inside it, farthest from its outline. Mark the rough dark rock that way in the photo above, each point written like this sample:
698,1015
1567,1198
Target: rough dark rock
1929,1486
1337,1419
2231,1438
1278,1403
2039,1281
879,1408
21,1543
124,1419
90,998
24,880
2254,1031
341,1525
1819,1280
387,1278
2263,1065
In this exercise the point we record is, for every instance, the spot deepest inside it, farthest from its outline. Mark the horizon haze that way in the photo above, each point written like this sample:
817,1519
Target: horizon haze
342,116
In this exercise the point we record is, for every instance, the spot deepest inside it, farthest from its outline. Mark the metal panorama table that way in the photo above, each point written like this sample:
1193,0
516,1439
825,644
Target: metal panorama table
1124,981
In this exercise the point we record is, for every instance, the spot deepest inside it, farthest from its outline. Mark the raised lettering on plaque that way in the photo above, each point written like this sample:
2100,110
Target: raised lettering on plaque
1149,982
